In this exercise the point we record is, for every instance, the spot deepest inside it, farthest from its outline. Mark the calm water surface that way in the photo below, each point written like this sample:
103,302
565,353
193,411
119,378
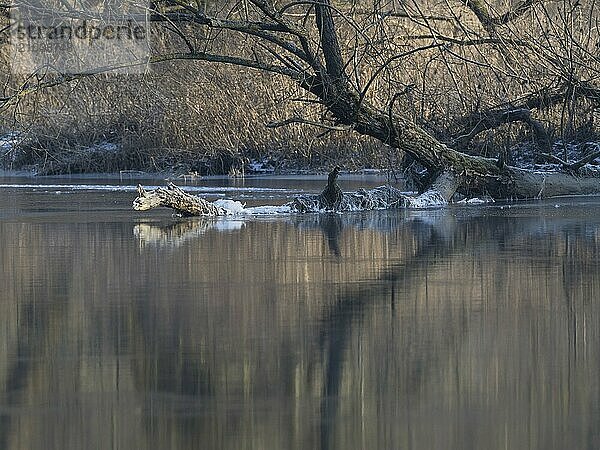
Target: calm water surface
468,327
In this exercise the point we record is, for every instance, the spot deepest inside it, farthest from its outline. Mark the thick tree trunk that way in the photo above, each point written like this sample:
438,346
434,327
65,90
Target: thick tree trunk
518,183
478,175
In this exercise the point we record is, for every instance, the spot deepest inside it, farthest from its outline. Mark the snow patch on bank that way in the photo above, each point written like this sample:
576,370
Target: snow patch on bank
8,141
9,147
526,156
262,166
103,147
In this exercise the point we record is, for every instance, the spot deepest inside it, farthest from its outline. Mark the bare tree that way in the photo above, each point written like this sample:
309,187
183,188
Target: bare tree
356,63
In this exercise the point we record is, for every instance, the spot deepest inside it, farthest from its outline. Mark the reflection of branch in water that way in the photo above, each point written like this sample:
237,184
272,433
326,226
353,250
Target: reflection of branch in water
350,310
330,224
436,236
175,234
438,240
430,236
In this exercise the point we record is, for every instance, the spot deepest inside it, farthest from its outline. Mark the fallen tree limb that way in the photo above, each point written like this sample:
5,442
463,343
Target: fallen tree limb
574,166
383,197
520,111
585,160
175,198
550,97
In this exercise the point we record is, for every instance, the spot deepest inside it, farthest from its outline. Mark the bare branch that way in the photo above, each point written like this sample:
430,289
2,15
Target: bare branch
575,165
261,30
269,10
488,120
224,59
585,160
467,42
489,22
294,120
214,22
391,60
27,89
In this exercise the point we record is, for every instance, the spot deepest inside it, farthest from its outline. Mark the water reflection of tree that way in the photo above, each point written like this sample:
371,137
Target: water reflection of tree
198,386
345,315
351,308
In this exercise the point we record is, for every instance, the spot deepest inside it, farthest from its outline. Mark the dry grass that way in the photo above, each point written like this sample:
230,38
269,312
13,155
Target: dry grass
195,116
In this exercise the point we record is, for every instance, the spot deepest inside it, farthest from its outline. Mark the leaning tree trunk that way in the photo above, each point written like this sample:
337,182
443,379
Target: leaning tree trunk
478,175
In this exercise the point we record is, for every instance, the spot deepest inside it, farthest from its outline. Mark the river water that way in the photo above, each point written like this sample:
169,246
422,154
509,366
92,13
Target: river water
465,327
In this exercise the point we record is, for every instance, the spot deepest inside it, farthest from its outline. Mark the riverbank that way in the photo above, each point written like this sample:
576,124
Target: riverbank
19,152
19,155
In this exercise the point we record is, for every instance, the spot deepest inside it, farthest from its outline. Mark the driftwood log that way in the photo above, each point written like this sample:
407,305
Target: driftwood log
331,199
175,198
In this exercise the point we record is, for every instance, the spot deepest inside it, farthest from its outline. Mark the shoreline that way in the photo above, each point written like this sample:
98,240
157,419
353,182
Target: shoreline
306,174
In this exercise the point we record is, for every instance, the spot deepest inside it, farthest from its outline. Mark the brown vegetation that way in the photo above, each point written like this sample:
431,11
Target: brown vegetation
478,76
184,117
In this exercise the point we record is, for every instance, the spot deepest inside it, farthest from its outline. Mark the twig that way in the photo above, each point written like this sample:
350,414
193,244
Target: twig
575,165
555,159
585,160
